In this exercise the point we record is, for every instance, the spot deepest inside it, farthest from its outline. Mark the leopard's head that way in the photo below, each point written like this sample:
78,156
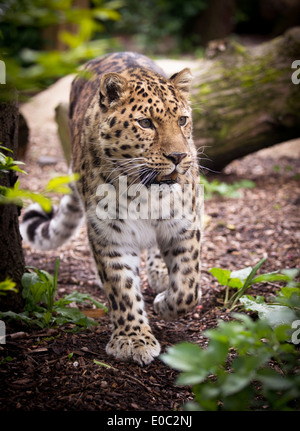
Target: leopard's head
146,126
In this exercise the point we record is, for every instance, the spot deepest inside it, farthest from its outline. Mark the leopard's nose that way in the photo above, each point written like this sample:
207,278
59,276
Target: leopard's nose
175,157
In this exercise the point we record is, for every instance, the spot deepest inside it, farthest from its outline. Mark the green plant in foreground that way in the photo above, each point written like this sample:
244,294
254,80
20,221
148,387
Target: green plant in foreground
30,70
282,309
242,279
234,372
41,307
7,163
15,195
7,285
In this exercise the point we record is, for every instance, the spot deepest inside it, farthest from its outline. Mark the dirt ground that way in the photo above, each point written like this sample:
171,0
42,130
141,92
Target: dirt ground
43,374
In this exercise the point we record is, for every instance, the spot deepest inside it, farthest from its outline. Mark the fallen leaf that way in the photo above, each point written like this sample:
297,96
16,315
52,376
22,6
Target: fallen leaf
95,312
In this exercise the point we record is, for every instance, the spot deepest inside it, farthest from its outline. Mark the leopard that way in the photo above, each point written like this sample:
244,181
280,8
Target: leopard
131,130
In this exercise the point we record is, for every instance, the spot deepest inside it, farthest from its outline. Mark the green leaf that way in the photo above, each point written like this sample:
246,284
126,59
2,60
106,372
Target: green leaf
271,277
7,163
72,315
7,285
47,317
106,14
37,287
191,377
6,149
288,291
246,184
241,275
183,356
234,383
273,381
207,395
222,275
16,195
291,272
236,283
43,275
249,279
292,302
247,283
60,184
191,406
17,316
275,315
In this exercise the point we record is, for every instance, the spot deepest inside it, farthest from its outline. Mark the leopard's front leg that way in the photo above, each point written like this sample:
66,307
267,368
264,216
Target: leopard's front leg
182,256
118,268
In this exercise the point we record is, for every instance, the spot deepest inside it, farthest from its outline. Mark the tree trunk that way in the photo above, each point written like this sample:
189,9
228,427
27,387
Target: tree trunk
51,34
244,100
215,21
11,253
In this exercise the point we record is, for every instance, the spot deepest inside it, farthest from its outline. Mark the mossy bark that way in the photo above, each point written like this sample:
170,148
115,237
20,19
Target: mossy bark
11,254
245,100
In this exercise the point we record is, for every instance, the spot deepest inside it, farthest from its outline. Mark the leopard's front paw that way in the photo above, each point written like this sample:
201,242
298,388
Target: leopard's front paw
141,348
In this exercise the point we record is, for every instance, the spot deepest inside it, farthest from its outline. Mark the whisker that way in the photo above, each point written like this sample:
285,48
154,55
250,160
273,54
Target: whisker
123,166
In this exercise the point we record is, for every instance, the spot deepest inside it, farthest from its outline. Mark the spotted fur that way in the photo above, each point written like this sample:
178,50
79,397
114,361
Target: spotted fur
128,119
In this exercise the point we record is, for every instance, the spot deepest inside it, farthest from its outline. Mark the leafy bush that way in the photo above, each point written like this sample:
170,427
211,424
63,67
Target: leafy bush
244,278
233,373
7,285
30,68
215,187
249,364
15,195
152,21
283,308
41,307
7,163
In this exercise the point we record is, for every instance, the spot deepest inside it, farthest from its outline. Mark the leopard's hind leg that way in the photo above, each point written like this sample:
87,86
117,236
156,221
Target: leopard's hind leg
157,270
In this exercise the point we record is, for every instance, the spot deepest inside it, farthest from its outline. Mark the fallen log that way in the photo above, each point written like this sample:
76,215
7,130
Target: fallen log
243,100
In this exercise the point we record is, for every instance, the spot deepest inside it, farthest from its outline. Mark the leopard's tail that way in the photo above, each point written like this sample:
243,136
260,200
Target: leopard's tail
48,231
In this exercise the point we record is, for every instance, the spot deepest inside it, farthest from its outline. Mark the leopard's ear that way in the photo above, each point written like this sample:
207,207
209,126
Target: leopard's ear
182,80
112,89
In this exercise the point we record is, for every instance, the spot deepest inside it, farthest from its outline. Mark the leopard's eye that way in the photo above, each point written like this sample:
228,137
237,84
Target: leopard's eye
182,121
146,123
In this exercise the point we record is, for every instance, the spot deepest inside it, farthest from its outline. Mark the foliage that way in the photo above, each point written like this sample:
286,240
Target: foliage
60,184
15,195
41,307
216,187
29,67
7,163
234,372
283,308
246,277
152,21
223,380
7,285
6,359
